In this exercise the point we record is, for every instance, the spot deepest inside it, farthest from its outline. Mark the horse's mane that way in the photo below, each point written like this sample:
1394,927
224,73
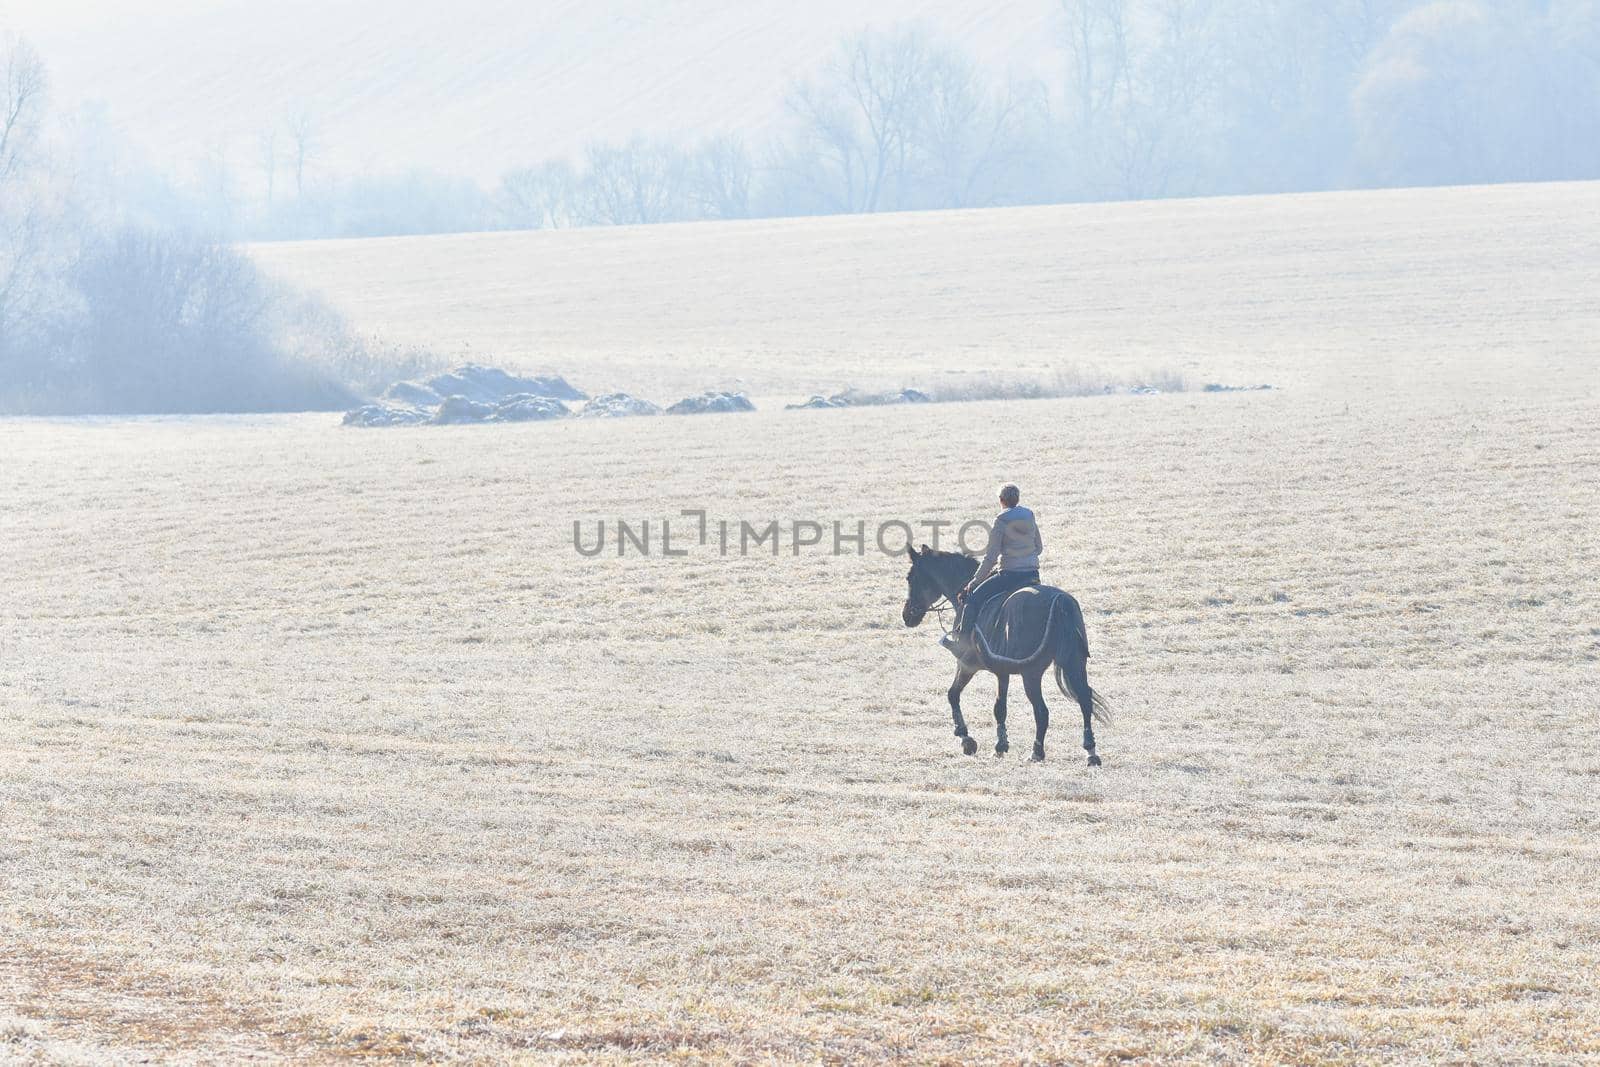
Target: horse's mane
954,566
939,553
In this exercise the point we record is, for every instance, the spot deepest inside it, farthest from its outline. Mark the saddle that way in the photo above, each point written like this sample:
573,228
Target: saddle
1013,627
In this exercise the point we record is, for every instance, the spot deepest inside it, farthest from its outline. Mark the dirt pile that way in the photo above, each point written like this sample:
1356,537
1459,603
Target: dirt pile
469,393
854,398
616,406
711,403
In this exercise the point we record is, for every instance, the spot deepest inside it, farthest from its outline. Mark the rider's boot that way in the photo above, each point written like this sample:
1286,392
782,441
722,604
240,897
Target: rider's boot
953,640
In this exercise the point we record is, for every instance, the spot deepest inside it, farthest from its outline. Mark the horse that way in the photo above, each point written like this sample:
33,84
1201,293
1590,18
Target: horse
1044,623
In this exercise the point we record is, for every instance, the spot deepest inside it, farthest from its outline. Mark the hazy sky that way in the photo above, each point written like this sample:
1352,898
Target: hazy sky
475,86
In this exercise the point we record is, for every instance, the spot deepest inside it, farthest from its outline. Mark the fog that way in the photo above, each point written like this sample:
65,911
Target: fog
302,122
163,138
118,294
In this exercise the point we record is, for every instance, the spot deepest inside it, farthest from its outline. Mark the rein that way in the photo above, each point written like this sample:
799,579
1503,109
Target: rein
945,604
942,605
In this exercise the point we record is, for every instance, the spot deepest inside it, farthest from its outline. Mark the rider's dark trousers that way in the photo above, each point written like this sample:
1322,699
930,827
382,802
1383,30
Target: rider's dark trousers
998,584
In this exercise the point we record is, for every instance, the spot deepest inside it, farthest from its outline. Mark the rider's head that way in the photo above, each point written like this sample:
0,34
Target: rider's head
1009,495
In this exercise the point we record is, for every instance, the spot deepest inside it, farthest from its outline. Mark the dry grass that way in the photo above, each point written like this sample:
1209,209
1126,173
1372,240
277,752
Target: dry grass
319,743
361,747
1064,381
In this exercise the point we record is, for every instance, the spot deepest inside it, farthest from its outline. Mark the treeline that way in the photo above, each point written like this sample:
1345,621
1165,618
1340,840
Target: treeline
1149,98
1156,98
1153,98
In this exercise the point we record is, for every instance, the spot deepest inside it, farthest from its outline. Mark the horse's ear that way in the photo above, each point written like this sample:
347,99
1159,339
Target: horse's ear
912,552
926,551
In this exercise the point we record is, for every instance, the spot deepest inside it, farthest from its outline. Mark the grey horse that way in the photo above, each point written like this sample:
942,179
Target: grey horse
1024,634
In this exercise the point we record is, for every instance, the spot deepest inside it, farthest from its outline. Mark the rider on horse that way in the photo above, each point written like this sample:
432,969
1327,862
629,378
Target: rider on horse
1015,544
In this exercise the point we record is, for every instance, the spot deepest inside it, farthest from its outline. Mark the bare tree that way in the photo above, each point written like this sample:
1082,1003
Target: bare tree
720,177
885,79
214,196
1142,77
856,127
22,97
538,198
1180,78
1095,39
305,132
267,155
26,223
25,240
823,163
900,121
639,182
967,135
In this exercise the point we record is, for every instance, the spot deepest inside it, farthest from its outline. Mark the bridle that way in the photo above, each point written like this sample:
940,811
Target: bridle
941,606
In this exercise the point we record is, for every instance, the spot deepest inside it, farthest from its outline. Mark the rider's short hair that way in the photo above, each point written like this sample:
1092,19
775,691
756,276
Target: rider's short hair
1009,495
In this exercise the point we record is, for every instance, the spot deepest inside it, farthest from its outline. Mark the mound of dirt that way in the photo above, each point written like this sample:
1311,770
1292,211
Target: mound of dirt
411,394
523,407
1215,387
459,409
616,406
711,403
386,415
469,393
489,385
853,398
528,408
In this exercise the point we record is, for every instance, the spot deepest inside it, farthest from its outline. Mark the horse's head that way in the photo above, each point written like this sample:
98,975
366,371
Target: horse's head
922,590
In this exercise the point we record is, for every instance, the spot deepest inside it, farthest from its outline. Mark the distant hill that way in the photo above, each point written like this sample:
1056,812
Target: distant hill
473,87
1350,294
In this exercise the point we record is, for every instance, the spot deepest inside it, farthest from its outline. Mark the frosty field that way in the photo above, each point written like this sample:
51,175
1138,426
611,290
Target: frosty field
319,742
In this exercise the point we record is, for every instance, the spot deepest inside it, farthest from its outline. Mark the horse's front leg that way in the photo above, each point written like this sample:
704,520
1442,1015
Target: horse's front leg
1001,744
963,676
1041,714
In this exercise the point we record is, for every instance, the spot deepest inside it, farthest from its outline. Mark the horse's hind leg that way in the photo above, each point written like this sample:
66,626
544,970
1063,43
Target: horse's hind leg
963,676
1041,713
1001,744
1077,671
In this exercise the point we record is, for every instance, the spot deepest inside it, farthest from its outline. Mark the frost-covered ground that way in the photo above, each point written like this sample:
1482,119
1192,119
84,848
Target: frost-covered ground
1344,294
321,741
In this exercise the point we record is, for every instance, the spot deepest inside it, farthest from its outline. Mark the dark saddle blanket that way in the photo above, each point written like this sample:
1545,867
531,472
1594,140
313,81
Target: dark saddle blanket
1018,627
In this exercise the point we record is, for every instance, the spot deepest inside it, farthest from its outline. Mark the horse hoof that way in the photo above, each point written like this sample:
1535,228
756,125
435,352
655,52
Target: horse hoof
1038,754
969,745
1094,761
1001,749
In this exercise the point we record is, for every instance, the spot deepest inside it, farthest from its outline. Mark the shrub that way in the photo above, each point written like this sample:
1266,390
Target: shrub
171,323
161,322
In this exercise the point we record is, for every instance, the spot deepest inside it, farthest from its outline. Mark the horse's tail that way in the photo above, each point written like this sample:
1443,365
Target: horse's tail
1072,662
